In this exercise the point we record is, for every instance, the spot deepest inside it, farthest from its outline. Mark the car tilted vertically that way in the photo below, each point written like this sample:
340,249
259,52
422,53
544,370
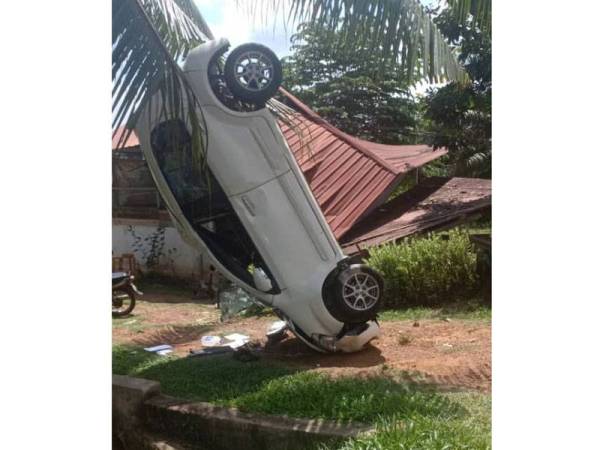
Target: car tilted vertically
250,208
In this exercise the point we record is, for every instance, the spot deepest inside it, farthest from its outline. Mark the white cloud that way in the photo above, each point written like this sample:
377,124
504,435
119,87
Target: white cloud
234,24
232,21
225,19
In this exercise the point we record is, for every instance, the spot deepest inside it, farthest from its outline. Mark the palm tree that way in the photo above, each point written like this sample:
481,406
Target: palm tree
480,11
150,37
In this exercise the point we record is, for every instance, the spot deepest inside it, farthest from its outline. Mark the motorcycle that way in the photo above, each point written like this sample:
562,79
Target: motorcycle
124,293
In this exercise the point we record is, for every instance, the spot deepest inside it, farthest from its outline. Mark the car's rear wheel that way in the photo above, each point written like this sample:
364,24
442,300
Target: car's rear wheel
353,294
253,73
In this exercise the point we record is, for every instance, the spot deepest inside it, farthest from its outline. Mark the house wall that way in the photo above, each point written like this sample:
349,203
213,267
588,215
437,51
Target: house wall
157,246
133,186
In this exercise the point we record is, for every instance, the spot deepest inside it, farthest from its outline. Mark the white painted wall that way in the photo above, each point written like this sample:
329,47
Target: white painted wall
177,257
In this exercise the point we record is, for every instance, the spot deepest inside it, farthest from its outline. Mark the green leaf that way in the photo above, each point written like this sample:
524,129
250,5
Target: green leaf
393,28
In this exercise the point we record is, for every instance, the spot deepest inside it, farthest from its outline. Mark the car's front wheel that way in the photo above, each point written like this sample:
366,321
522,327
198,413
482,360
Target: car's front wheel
253,73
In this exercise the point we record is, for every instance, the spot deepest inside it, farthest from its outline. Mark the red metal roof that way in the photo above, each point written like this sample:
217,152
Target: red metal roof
433,203
348,176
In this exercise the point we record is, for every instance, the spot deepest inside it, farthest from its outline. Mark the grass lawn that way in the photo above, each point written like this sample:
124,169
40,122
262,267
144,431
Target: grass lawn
406,416
461,311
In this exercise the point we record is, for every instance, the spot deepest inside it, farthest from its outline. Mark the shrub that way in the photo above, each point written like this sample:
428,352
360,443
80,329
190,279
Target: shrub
427,271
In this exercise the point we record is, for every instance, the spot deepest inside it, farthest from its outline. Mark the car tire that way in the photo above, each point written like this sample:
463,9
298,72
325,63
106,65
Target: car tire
253,73
353,294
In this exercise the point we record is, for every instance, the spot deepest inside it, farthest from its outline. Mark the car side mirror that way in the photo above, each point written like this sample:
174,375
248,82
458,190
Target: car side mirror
261,280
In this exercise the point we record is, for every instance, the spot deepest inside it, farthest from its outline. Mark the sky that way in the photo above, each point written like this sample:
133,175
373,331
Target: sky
225,19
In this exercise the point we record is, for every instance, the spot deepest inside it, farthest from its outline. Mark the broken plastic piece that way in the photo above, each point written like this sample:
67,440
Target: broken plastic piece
277,327
277,331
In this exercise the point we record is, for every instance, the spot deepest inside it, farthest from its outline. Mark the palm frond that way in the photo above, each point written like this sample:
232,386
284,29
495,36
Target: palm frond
190,9
477,164
479,10
477,160
148,38
291,119
392,30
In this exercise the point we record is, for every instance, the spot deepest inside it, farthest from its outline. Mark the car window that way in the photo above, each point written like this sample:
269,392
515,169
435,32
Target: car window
204,204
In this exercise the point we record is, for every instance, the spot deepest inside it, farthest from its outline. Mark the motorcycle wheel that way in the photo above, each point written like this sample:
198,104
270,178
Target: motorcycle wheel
123,302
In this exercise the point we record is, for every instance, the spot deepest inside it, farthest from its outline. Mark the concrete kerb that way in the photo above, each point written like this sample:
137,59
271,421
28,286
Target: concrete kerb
128,397
139,402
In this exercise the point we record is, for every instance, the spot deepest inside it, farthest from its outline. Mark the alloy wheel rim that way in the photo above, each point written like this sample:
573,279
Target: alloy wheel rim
253,71
361,291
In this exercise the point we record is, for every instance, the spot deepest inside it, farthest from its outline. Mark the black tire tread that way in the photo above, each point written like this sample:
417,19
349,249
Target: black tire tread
127,311
259,97
332,295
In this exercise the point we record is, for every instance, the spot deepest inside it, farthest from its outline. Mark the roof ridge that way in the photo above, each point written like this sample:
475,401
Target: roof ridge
350,140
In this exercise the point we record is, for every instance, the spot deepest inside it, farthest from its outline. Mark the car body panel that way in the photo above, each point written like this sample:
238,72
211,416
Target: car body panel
250,159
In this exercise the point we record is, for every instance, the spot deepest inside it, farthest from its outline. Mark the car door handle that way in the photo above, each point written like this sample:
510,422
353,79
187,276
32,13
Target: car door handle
249,205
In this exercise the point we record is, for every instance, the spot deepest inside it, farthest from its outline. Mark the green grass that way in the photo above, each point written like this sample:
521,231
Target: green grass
406,415
461,311
164,284
158,286
472,430
217,379
136,323
314,395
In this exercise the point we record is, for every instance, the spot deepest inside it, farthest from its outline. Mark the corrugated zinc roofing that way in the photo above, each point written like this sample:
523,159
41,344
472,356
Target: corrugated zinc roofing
433,203
348,176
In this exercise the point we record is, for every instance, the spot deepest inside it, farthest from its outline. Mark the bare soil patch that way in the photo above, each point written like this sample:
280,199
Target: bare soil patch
447,353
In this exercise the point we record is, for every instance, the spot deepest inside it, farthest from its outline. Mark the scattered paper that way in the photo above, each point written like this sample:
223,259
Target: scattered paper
158,348
237,340
236,337
164,352
237,344
210,341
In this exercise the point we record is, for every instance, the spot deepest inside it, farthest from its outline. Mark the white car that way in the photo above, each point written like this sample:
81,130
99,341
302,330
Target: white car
252,210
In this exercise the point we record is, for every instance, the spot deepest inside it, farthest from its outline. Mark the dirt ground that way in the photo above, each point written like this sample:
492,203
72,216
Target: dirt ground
453,354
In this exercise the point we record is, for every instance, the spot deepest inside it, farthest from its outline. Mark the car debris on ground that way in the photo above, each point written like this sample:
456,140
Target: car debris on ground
237,340
233,300
240,344
210,341
277,331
